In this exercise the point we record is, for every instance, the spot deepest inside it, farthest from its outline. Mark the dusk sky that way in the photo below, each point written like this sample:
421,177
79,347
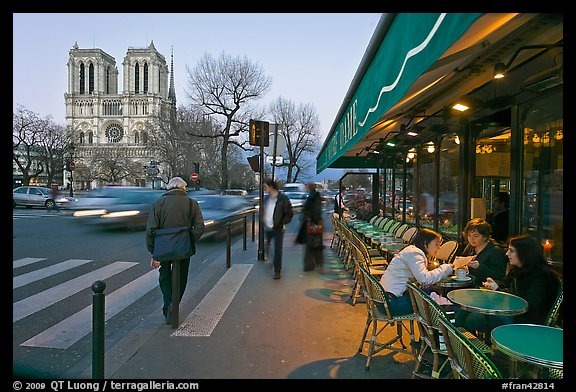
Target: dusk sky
311,58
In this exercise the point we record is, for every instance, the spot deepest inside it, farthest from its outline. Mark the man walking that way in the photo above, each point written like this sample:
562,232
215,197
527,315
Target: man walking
277,213
173,209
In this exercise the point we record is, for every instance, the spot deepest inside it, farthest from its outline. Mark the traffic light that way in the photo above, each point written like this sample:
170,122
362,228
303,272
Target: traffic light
258,128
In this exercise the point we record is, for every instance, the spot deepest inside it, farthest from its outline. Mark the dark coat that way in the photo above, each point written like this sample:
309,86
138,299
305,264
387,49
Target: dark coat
538,287
492,263
282,211
312,211
174,208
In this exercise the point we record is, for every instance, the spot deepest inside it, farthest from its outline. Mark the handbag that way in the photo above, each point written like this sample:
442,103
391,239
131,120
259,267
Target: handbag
312,228
173,243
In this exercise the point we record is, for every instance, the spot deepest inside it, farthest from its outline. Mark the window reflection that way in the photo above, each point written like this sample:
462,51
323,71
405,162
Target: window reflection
449,211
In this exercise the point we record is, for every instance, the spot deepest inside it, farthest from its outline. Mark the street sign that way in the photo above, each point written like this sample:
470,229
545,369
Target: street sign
275,129
194,176
279,159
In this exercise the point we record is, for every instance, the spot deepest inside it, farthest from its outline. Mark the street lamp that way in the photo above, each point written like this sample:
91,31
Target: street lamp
71,148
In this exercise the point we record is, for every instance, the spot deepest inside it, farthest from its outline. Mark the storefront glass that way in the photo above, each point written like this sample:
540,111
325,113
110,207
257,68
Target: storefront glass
427,189
543,173
449,211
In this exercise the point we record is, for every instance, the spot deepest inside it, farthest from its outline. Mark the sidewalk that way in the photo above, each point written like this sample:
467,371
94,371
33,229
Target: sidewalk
298,327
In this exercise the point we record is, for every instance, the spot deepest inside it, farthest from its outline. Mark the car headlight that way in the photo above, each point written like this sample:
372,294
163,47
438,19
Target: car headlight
89,212
120,214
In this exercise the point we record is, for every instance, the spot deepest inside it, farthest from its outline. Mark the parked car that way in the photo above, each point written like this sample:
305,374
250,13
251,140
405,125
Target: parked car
117,207
37,196
218,210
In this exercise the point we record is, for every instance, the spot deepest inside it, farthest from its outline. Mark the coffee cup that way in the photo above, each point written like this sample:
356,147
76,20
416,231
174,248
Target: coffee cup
461,273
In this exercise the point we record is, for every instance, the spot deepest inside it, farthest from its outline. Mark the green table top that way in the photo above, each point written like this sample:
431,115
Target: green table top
537,344
488,301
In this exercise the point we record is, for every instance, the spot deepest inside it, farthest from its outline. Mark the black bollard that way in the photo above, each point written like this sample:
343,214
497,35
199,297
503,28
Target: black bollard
228,244
245,228
98,305
253,226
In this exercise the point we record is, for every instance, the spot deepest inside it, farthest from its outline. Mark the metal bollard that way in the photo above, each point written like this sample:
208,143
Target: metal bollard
98,305
228,244
253,226
245,218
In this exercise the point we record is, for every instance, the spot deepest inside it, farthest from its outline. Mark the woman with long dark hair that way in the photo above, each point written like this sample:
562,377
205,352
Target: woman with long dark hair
529,276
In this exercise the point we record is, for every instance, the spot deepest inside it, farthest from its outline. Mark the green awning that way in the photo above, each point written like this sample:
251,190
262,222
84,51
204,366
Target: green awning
412,44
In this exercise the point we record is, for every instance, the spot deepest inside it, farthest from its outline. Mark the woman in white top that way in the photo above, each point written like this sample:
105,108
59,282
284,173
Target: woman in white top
411,264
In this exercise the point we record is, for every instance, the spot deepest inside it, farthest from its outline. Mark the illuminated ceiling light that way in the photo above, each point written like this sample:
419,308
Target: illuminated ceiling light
546,138
478,149
457,140
431,148
499,70
536,138
412,133
390,144
411,155
460,107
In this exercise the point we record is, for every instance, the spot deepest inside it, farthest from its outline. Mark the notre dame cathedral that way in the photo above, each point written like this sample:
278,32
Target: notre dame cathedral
108,127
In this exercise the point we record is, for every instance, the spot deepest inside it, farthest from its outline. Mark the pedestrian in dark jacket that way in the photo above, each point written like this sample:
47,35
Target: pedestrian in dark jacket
173,209
277,213
312,213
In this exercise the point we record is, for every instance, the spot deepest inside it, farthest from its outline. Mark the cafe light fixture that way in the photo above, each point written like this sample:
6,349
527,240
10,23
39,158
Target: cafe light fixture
499,70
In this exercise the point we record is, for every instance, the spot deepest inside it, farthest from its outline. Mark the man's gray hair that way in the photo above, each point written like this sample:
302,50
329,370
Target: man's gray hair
177,182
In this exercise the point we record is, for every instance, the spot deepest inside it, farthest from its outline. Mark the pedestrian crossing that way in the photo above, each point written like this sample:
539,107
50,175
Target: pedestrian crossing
74,327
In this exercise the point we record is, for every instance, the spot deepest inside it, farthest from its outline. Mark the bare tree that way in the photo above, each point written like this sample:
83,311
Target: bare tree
51,152
225,88
37,144
112,165
301,129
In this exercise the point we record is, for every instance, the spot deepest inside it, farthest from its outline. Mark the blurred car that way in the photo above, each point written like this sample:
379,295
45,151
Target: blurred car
117,207
37,196
297,199
218,210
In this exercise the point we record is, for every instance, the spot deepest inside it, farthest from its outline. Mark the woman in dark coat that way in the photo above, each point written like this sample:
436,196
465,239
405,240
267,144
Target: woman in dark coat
488,259
312,211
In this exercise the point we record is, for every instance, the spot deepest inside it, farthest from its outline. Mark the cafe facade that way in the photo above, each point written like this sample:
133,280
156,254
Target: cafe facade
447,110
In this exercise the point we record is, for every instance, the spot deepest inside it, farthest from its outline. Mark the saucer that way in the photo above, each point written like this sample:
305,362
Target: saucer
466,279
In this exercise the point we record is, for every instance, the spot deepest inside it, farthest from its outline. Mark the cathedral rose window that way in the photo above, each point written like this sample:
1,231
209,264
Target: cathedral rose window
114,133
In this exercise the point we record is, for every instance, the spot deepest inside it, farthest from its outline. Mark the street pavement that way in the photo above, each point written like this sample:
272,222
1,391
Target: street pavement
252,326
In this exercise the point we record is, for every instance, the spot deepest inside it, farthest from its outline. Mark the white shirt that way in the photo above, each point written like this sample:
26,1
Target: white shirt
269,211
411,265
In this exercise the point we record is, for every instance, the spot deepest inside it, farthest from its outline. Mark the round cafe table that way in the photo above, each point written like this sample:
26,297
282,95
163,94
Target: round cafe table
534,344
451,283
488,302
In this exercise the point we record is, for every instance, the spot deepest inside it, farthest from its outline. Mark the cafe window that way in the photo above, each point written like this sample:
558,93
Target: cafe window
543,172
426,185
411,160
449,211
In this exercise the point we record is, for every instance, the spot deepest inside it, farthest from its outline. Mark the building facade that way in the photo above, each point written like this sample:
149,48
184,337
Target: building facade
107,125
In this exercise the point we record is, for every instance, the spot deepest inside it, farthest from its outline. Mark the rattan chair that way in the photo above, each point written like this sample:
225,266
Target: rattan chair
379,312
552,318
447,252
466,360
429,314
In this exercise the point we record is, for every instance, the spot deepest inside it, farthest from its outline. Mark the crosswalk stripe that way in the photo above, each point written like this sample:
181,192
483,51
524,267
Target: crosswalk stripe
207,314
36,275
26,261
49,297
70,330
